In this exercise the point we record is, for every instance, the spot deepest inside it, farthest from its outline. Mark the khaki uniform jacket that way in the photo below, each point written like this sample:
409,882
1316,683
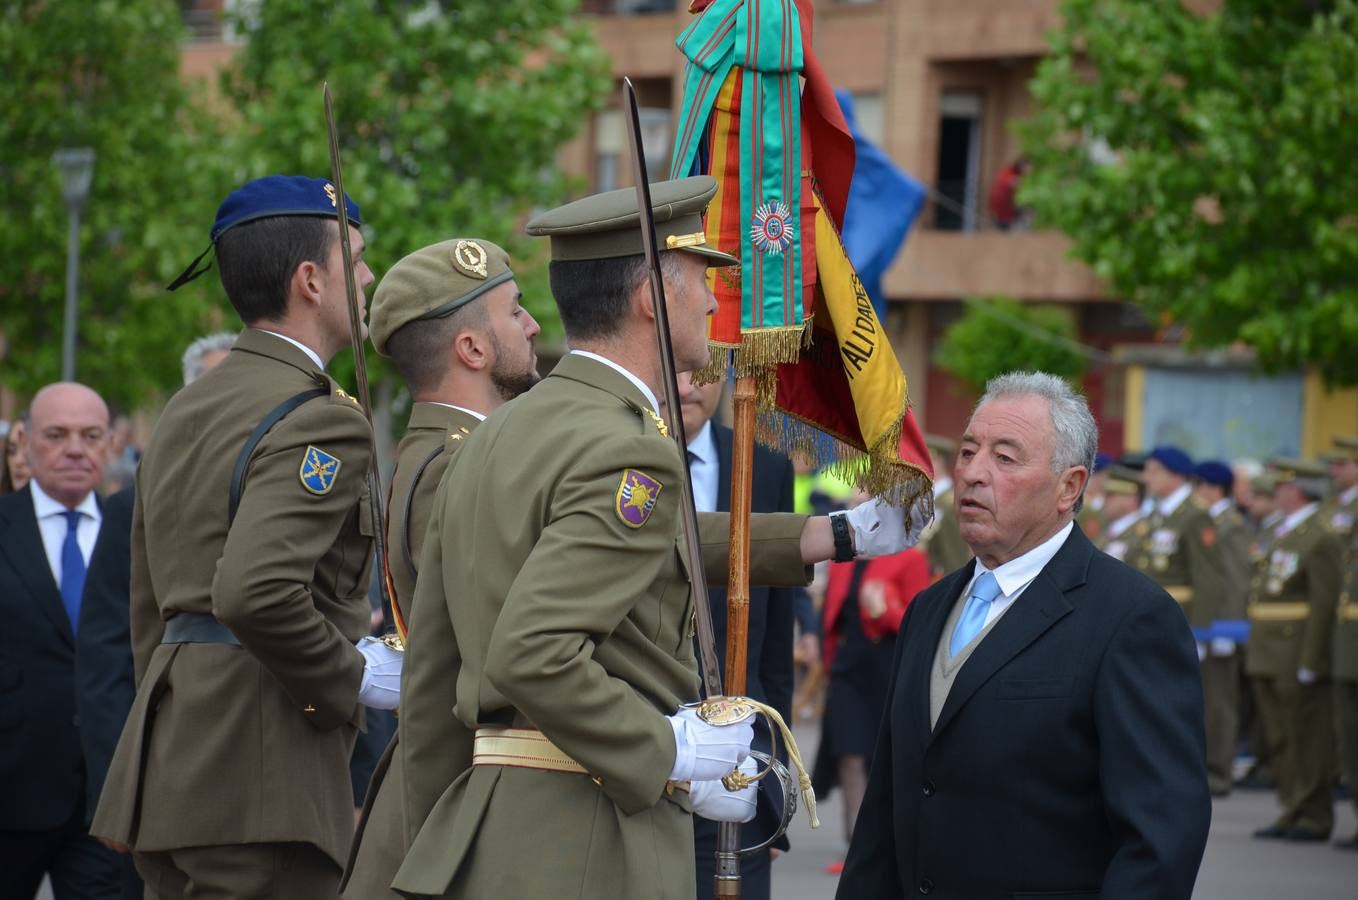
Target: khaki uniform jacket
1346,628
434,434
943,538
1179,553
1233,536
1339,516
247,744
1126,544
554,597
420,461
1293,596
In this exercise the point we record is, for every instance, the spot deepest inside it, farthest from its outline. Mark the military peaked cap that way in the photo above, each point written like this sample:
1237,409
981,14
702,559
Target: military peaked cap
608,225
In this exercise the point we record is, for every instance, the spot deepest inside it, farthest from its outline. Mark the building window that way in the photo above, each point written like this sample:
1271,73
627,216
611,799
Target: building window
611,153
959,161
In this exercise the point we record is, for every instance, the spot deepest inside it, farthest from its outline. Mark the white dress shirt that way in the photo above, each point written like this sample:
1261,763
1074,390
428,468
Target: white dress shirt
471,412
1015,575
1122,523
1216,509
315,357
704,468
52,526
1292,521
641,385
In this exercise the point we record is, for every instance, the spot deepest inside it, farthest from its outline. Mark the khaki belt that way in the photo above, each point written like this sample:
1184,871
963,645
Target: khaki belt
528,748
1181,593
1279,612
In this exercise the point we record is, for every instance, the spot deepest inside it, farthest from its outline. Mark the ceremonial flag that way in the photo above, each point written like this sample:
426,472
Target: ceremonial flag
795,312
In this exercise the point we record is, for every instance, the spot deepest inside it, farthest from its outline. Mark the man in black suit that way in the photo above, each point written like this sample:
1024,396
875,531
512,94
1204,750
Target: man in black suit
772,613
1044,730
48,532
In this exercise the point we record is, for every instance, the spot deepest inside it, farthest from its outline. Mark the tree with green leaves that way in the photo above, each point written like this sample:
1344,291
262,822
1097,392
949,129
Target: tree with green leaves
450,114
999,335
105,76
1203,164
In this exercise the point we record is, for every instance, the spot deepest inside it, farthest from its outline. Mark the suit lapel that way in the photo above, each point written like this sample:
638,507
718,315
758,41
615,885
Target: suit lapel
929,628
1037,609
21,543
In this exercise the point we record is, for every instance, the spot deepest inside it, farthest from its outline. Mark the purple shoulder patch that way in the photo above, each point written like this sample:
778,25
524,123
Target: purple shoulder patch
636,497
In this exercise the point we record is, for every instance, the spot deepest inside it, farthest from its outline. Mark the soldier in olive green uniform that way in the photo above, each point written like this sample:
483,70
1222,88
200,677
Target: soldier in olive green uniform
1121,511
552,613
1221,664
943,538
251,552
1179,548
1344,471
450,319
1293,597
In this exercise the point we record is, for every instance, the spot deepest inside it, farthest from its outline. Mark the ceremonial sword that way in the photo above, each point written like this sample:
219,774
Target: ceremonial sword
375,495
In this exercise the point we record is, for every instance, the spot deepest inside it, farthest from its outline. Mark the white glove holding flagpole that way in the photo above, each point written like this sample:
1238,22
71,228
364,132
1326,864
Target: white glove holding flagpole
880,529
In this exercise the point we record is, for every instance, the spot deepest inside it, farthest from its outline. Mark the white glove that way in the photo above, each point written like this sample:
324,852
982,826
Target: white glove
1306,676
880,529
1222,646
712,800
1202,651
381,685
704,752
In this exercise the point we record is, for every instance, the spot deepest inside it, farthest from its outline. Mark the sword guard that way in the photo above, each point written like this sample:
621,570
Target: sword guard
725,710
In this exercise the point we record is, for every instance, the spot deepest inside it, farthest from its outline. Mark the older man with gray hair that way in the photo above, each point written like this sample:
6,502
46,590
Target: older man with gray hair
205,353
1044,728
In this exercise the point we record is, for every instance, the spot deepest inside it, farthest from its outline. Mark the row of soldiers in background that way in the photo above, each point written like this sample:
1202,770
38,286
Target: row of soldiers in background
1269,588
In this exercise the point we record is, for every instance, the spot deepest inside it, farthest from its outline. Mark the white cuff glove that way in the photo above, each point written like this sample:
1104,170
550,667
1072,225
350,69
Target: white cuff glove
1306,676
1202,651
381,685
1222,646
706,752
712,800
880,529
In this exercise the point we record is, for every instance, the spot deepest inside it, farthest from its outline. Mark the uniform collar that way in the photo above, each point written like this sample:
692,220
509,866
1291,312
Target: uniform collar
1171,503
637,382
1121,524
1348,497
311,354
471,412
1296,518
1219,507
44,505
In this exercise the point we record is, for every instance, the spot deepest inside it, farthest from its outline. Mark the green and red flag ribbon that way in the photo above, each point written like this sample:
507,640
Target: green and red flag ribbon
794,312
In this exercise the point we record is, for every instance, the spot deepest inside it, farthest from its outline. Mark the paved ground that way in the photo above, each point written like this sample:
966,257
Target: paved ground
1236,866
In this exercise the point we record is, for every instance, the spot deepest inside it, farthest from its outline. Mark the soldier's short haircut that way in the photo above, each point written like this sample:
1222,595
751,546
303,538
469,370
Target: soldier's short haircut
592,294
257,260
1075,436
419,348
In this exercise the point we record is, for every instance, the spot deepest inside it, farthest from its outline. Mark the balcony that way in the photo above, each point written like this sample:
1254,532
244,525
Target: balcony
1026,265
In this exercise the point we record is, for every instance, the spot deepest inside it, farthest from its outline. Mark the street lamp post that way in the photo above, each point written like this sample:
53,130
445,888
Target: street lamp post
76,167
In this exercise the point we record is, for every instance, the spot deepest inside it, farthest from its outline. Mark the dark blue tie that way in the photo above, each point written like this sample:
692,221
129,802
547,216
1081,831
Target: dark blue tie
72,569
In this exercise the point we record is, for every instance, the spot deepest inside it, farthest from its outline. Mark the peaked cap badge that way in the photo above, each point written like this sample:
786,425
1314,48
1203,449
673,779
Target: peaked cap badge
470,258
636,497
318,470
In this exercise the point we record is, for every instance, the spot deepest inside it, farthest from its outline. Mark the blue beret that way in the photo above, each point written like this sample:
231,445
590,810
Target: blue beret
1101,461
280,195
1174,459
1213,472
273,195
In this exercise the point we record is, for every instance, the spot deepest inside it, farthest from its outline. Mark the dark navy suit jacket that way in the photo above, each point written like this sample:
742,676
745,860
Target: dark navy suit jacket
1068,759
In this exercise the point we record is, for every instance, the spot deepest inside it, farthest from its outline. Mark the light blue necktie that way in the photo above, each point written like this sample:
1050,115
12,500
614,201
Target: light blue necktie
72,569
983,593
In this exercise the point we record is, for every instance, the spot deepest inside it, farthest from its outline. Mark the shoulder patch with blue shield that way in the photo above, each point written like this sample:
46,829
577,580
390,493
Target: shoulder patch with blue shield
318,470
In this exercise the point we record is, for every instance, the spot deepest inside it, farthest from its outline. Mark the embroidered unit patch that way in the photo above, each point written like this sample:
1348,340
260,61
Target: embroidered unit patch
636,497
318,470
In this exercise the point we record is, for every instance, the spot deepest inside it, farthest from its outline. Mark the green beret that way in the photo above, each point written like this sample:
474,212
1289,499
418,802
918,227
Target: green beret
607,226
433,282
